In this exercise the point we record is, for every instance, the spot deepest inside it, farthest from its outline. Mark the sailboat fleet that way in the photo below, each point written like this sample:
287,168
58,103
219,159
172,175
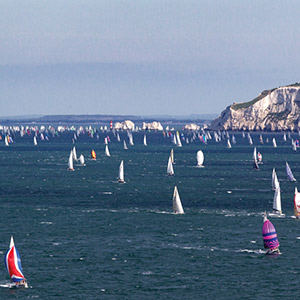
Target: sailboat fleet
270,239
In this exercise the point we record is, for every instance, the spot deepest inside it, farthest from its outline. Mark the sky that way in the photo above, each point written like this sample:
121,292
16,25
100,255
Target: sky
143,57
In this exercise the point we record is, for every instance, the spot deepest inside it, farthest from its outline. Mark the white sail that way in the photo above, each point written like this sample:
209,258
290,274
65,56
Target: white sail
178,139
174,140
121,172
74,153
70,163
284,137
107,150
250,139
177,206
294,146
254,154
105,141
170,169
172,156
289,172
277,201
6,141
34,141
12,243
145,140
125,146
118,137
297,203
200,158
275,182
81,159
274,143
228,144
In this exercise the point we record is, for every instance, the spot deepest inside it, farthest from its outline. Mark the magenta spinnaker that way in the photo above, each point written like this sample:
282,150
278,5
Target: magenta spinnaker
270,235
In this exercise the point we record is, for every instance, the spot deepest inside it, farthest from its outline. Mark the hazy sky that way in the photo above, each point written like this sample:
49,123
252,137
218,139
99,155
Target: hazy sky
143,57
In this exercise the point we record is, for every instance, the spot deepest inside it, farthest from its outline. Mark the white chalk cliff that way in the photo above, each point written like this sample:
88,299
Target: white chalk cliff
152,126
126,125
191,126
276,109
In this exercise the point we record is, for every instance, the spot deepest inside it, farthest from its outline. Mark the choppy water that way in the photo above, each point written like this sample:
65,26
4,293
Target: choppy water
82,235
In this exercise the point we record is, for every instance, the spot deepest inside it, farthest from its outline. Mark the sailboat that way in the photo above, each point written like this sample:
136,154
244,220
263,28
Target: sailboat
118,137
6,140
270,238
294,146
170,169
289,172
255,164
297,204
172,156
254,154
178,139
259,158
177,206
13,265
277,212
125,146
121,172
74,153
70,162
274,143
107,153
81,159
145,140
34,141
200,158
275,182
93,154
228,144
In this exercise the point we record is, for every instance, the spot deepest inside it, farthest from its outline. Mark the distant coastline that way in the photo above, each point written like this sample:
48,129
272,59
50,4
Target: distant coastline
104,119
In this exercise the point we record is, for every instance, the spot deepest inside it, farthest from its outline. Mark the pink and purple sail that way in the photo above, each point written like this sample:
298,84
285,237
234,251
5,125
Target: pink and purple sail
270,235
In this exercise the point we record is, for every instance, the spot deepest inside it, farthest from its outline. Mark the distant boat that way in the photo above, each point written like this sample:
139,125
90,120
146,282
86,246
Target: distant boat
228,144
93,154
200,158
261,139
172,156
289,172
13,265
107,153
81,159
74,154
70,162
125,146
6,140
255,164
145,140
254,154
274,143
294,146
259,158
178,139
297,204
118,137
177,206
121,172
34,141
277,204
284,137
170,170
275,182
270,238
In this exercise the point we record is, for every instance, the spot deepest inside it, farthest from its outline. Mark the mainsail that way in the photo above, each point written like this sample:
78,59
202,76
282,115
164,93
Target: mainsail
121,172
70,162
93,154
74,153
170,169
200,158
145,140
275,182
274,143
81,159
178,139
289,172
277,201
107,153
269,235
297,203
177,206
13,263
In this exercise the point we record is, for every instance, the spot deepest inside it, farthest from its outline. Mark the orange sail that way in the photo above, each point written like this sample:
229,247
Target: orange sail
93,154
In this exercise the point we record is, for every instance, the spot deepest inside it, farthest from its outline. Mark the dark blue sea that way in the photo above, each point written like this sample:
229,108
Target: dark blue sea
83,235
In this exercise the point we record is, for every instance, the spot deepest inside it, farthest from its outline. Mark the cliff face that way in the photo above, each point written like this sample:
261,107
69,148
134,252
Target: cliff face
277,109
